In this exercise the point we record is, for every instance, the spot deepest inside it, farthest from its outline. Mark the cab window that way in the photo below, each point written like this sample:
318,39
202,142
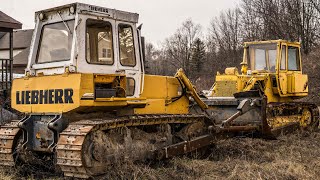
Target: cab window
126,45
283,57
263,57
56,42
272,57
99,46
260,56
293,59
130,86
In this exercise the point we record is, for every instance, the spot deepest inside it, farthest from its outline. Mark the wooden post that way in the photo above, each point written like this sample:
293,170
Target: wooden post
11,60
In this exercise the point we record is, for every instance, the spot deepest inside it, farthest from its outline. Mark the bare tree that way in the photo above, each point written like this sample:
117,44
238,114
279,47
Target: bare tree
178,47
225,31
156,61
295,20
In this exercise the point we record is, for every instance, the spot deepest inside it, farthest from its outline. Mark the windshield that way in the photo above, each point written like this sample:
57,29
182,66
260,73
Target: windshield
56,41
262,57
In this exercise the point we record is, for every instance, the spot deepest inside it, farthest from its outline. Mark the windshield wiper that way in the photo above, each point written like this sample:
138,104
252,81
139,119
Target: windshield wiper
64,23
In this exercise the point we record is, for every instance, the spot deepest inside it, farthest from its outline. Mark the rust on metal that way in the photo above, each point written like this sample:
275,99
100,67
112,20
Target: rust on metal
185,147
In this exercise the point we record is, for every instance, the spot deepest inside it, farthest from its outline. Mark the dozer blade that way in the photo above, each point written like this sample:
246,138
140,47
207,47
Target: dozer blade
265,128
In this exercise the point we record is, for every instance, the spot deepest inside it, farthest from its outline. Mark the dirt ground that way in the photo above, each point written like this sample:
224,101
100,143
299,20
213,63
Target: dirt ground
294,156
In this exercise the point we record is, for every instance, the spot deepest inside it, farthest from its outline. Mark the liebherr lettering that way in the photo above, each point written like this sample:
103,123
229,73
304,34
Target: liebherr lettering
50,96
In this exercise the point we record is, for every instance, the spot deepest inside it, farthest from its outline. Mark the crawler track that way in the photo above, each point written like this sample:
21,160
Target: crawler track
8,138
71,148
299,114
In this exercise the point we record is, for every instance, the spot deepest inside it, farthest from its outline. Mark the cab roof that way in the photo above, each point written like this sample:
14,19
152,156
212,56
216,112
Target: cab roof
82,8
271,41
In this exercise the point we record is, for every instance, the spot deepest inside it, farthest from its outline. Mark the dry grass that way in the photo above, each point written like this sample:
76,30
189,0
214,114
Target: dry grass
294,156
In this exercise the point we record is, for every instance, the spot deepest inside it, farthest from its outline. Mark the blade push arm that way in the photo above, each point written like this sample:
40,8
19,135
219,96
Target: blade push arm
191,90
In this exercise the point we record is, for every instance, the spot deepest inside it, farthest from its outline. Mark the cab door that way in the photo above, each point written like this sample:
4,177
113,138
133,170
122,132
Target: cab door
282,71
291,81
129,58
297,82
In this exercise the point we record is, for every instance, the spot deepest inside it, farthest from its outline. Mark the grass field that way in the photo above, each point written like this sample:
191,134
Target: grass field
294,156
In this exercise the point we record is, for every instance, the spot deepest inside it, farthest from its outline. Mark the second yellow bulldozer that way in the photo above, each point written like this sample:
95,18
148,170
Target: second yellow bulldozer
272,69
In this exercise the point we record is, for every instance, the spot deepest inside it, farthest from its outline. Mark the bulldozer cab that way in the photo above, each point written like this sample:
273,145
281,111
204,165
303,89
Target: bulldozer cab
81,38
262,57
282,60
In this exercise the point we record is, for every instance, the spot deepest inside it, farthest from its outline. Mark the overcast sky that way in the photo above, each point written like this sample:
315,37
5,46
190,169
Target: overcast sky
160,18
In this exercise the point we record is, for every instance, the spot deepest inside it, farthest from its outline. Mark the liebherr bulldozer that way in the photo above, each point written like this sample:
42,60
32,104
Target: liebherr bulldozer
89,104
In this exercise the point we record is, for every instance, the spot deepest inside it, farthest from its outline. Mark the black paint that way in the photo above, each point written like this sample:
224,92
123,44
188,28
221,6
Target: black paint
50,96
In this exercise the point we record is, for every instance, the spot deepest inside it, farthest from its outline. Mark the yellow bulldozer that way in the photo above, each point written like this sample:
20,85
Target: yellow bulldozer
270,69
89,104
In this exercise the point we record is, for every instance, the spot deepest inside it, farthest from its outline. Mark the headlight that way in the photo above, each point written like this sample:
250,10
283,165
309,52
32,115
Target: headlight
71,10
41,16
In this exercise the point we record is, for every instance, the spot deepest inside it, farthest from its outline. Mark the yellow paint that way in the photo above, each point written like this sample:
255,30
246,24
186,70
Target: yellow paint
159,90
190,89
231,71
38,135
280,121
304,119
279,86
155,87
72,81
160,95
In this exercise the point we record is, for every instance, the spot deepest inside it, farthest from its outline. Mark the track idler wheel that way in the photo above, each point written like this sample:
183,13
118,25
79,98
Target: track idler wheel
307,121
306,118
